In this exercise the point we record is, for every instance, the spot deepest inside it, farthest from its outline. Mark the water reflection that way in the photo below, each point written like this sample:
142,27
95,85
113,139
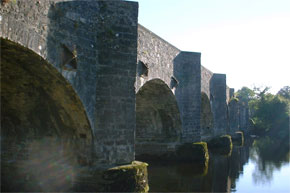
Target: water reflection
269,155
222,172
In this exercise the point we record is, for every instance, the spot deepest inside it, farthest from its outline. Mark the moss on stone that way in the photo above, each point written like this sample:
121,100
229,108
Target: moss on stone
133,165
196,152
127,178
238,138
222,145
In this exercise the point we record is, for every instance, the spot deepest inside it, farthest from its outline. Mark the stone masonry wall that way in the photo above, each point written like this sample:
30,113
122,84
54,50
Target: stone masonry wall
243,117
96,51
179,70
157,54
234,115
206,76
219,105
187,71
115,121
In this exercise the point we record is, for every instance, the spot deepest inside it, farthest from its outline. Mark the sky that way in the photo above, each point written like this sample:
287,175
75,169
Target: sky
248,40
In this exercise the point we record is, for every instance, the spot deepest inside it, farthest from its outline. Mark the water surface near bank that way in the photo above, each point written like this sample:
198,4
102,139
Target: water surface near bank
261,165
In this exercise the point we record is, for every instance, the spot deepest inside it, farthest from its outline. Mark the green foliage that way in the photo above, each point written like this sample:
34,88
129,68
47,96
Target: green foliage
272,112
284,92
260,92
269,113
234,99
245,94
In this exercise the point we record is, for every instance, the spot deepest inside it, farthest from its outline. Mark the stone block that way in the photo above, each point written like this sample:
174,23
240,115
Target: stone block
126,178
238,138
193,152
221,145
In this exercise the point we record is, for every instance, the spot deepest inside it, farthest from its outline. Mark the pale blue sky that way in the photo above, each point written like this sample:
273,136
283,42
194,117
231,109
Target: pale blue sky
249,40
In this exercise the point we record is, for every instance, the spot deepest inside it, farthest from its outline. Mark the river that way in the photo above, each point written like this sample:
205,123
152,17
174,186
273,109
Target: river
260,165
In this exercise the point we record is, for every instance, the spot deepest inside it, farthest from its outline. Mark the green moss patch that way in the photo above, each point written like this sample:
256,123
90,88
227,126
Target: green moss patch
127,178
193,152
238,138
222,145
234,99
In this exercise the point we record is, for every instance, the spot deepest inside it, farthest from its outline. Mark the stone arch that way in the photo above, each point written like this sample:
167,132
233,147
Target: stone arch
206,118
157,114
45,132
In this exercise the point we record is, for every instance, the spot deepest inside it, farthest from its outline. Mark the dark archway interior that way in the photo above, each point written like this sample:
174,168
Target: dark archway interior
157,114
45,133
206,122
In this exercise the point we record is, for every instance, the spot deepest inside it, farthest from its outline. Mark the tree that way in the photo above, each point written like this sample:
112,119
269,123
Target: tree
261,92
245,94
284,92
269,113
272,115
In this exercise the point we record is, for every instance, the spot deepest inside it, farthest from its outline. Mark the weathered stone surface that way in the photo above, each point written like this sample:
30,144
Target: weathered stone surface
103,53
222,145
206,119
127,178
131,177
187,71
181,153
96,51
238,138
158,121
157,114
45,132
206,76
183,73
219,103
193,152
243,117
157,54
234,115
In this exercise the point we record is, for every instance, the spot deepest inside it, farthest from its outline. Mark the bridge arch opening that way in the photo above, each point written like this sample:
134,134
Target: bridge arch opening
206,119
45,132
157,115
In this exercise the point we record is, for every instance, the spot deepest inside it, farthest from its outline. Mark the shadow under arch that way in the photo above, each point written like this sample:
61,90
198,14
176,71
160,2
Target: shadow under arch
206,118
45,132
157,117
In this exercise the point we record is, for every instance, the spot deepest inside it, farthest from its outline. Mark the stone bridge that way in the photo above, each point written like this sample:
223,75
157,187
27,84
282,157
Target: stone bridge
178,100
86,77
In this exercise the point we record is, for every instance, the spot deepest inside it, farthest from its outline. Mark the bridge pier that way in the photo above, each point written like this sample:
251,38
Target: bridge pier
96,51
219,103
187,70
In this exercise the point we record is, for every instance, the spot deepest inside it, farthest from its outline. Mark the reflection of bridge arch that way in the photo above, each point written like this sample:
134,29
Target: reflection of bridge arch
206,118
43,121
157,114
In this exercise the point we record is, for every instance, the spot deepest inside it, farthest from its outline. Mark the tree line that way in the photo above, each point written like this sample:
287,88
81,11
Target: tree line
269,113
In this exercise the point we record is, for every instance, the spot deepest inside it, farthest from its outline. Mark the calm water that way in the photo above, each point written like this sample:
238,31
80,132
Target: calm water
261,165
